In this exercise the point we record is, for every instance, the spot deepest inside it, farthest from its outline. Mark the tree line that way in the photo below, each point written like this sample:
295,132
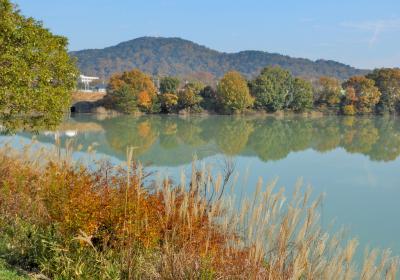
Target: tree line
274,89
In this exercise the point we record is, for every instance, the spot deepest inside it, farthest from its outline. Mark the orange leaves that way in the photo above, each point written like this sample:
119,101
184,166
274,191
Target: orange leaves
144,100
78,200
135,79
115,216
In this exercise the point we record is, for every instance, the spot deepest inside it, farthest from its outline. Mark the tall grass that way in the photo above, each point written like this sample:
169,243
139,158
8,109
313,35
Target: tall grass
67,221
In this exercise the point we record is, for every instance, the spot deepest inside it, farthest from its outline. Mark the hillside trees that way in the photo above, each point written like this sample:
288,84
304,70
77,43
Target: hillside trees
36,72
190,61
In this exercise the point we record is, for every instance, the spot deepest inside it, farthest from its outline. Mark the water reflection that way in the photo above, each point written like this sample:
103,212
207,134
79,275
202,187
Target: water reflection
172,140
362,191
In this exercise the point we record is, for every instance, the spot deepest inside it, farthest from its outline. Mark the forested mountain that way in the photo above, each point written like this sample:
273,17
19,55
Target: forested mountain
183,58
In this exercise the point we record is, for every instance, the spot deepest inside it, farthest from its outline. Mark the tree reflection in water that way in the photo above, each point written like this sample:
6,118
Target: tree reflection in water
172,140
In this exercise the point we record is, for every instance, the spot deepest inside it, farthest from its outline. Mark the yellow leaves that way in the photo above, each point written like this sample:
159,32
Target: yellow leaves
349,110
169,101
234,92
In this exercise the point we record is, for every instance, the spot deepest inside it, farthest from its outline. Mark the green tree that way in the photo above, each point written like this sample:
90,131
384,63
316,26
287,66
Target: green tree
125,100
272,88
210,98
234,93
302,96
328,91
169,85
388,82
364,94
36,72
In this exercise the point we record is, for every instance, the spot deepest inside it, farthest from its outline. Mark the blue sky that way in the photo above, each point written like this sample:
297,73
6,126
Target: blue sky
364,33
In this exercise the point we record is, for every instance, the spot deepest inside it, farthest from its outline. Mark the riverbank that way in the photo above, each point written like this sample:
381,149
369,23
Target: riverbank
96,103
63,220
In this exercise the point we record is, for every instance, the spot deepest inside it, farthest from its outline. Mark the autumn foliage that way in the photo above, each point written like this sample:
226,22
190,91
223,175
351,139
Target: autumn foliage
274,89
139,85
233,92
71,222
362,93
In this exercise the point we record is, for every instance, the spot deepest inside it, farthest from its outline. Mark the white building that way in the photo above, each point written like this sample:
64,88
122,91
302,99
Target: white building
86,80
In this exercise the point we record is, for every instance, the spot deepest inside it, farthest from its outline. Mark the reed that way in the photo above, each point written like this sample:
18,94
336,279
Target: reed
65,220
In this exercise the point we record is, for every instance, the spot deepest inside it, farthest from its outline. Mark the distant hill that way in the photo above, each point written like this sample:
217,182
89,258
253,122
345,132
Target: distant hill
183,58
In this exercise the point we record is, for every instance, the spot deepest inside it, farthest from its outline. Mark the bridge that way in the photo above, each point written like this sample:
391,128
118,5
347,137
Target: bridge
85,102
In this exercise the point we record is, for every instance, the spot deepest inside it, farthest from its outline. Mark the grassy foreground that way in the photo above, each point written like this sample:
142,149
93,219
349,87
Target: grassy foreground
62,220
8,273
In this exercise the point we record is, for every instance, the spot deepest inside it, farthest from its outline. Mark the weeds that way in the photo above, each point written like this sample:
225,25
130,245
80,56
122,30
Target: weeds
67,221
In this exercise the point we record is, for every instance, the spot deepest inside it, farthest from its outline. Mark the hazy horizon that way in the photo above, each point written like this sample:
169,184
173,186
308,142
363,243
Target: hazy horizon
363,35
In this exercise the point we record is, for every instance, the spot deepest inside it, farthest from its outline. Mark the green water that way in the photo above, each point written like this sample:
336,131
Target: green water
355,161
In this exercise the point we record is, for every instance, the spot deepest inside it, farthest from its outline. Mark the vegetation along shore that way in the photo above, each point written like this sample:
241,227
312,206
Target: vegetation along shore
274,90
62,220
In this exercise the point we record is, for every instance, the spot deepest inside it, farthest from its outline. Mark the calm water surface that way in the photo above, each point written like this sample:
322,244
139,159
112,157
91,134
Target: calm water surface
355,161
